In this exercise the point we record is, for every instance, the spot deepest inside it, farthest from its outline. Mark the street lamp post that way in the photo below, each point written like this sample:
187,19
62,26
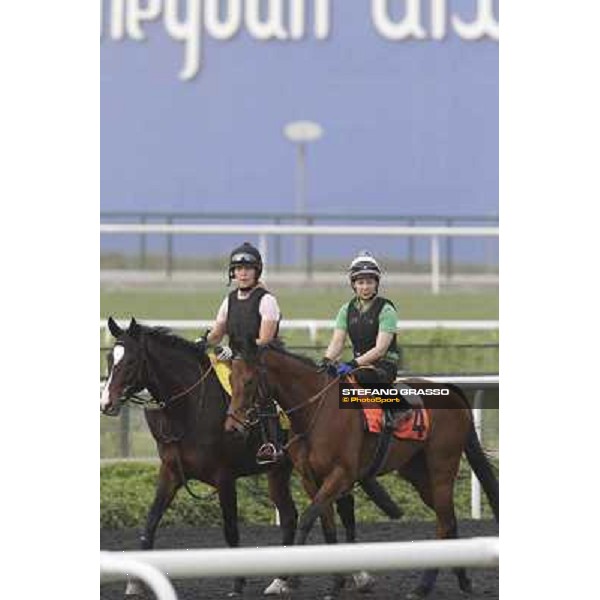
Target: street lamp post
301,133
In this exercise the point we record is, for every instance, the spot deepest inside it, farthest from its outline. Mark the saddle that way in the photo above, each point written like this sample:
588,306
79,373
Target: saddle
415,427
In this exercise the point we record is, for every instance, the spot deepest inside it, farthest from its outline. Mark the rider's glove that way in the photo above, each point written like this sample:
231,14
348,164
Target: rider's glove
224,353
327,365
345,368
201,342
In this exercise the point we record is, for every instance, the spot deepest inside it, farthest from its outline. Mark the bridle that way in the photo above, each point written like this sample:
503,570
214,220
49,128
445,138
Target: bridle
260,397
153,403
131,392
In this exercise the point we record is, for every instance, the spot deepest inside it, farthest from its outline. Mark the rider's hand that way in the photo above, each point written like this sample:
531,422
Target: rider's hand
200,344
224,353
324,363
327,365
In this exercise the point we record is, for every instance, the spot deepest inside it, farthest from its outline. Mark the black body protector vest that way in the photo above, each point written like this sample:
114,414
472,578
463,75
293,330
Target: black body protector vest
243,318
363,327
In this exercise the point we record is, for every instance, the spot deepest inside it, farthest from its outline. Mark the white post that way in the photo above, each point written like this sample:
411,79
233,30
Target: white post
475,485
301,244
435,264
263,249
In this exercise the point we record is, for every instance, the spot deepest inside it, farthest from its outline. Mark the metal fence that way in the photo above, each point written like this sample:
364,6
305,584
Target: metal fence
142,261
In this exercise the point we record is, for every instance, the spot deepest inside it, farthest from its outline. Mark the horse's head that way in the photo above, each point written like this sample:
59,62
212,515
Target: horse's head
125,367
247,383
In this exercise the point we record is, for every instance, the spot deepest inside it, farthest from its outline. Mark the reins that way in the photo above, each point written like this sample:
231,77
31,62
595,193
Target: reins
319,396
313,398
161,404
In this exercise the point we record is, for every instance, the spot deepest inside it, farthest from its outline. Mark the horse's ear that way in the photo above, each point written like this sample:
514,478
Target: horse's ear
114,329
134,329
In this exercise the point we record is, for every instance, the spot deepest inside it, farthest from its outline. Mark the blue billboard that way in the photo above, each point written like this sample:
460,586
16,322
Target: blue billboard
195,95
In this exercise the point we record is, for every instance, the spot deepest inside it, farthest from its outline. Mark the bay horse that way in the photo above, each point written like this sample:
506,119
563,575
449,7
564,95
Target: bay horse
331,449
188,428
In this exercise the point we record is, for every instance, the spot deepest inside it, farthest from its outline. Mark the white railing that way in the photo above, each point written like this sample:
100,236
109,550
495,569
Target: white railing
262,231
314,325
115,566
316,559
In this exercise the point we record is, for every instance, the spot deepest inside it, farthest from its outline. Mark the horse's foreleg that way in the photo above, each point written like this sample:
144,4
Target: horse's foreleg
345,509
279,492
329,533
322,506
363,581
228,502
322,497
167,487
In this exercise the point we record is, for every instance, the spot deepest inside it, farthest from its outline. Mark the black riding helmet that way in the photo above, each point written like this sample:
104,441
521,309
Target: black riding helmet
246,254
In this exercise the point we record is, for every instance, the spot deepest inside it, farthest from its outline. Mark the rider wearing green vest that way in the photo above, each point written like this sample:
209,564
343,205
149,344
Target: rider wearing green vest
369,320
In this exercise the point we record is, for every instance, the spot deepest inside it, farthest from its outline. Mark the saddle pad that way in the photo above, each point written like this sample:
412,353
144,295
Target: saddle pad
416,427
223,371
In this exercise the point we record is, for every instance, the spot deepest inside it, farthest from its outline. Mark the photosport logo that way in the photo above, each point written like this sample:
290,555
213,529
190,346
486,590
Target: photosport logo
189,22
432,394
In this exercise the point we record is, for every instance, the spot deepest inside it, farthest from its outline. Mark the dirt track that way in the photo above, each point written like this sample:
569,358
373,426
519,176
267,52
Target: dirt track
389,585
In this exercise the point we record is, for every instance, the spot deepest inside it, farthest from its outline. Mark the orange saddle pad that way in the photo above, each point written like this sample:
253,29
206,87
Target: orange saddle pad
416,427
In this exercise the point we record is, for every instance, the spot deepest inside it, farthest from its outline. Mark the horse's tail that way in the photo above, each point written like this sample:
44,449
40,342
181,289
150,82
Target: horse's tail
483,469
378,494
479,461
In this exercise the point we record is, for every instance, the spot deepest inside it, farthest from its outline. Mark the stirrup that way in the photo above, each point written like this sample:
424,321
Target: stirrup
268,453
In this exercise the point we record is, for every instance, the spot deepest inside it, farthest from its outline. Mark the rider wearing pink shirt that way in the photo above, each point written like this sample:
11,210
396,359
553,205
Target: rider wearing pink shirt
249,311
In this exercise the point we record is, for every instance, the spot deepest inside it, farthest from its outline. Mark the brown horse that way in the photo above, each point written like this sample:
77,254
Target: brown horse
188,427
331,449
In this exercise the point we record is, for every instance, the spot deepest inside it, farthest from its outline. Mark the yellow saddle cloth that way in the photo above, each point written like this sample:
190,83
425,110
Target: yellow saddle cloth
223,371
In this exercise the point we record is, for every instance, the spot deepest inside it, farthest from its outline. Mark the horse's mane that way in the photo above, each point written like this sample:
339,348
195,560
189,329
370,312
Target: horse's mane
281,349
165,336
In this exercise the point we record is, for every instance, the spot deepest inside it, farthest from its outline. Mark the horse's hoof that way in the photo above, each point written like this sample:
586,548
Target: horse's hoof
278,587
363,582
134,589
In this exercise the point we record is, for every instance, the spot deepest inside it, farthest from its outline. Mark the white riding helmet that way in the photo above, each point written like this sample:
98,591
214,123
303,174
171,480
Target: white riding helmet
364,265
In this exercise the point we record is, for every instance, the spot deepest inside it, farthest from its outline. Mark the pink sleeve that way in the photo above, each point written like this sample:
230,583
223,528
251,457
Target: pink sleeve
222,314
268,308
